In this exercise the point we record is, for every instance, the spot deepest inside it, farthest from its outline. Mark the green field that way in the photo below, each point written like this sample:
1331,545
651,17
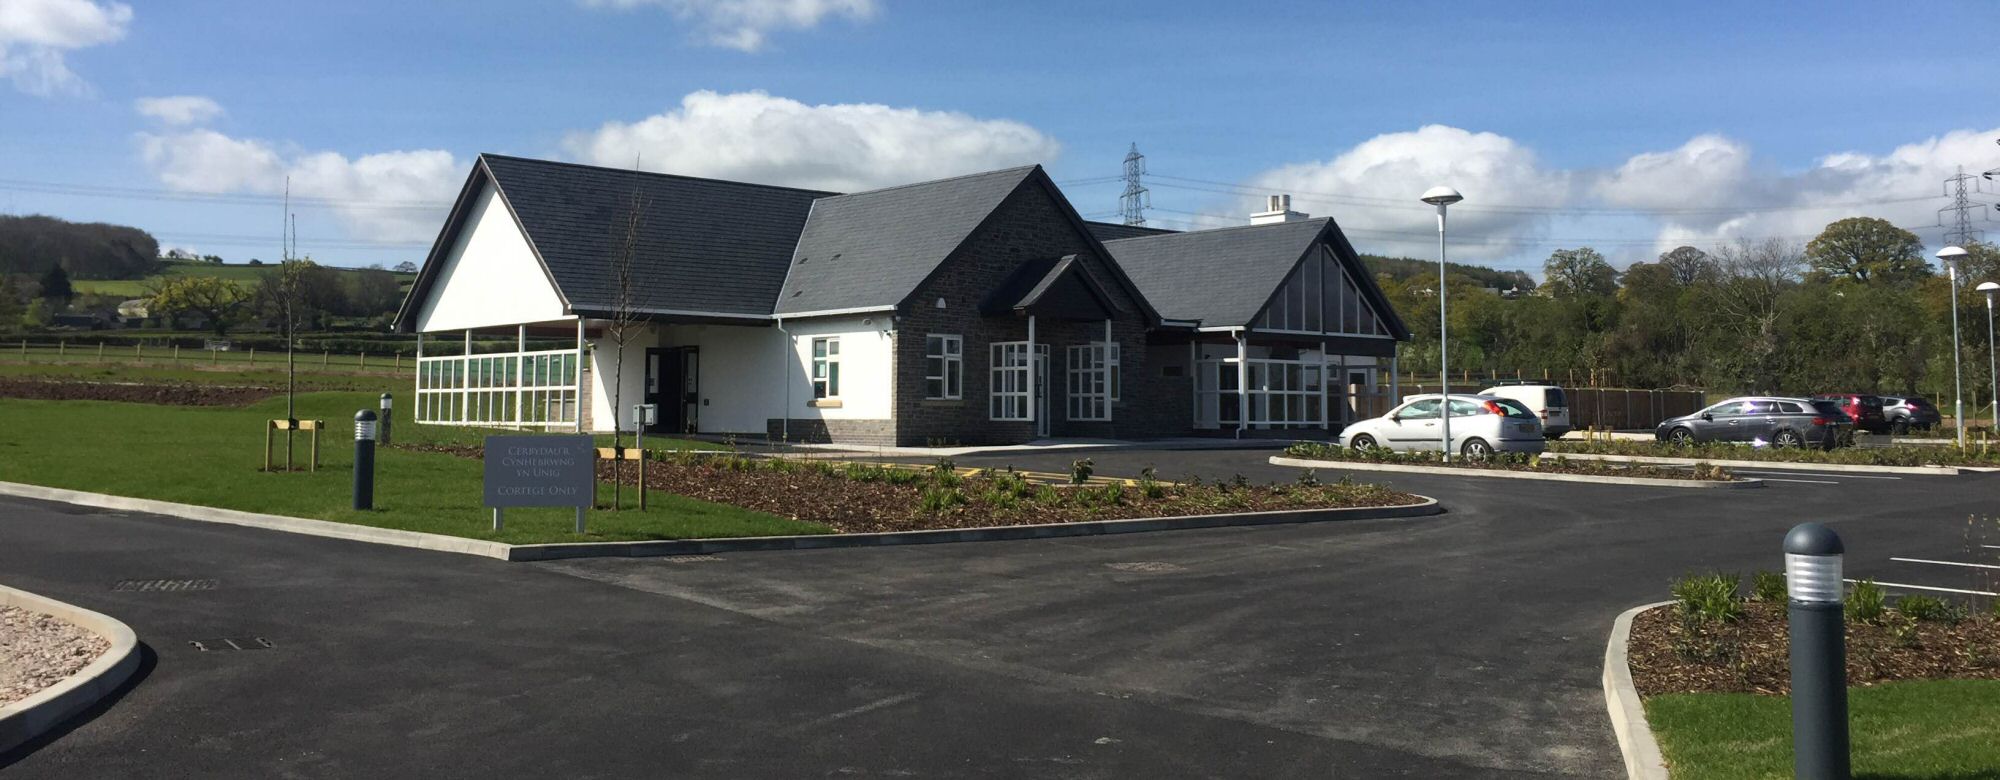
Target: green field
137,288
213,455
1934,729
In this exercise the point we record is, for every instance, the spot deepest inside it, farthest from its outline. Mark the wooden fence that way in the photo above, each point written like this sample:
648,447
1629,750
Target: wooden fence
1614,407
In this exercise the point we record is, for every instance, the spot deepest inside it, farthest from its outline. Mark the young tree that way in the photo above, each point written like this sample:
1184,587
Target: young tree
624,322
289,292
220,301
1866,249
1578,272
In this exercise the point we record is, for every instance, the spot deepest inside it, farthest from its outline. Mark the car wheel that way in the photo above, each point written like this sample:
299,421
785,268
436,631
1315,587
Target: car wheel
1900,427
1786,439
1680,437
1476,449
1362,441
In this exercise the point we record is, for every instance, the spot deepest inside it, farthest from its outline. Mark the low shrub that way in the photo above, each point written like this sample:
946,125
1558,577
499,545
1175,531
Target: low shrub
1768,587
1865,602
1707,597
1930,608
1080,470
938,498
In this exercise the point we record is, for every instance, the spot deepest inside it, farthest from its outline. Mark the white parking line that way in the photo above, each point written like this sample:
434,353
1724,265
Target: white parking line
1811,474
1927,587
1947,563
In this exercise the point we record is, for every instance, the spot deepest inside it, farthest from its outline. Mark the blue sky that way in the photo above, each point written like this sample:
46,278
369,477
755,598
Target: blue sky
1630,127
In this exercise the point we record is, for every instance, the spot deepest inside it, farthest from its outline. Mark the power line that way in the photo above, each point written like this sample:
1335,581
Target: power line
1228,188
139,193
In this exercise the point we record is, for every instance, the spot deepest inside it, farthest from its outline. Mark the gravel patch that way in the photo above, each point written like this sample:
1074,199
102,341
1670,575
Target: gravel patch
37,651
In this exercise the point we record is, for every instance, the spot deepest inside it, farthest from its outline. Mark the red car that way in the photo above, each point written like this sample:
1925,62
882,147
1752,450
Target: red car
1864,409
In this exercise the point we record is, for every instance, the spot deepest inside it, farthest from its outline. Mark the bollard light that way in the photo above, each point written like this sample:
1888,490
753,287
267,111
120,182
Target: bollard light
388,416
1819,652
364,459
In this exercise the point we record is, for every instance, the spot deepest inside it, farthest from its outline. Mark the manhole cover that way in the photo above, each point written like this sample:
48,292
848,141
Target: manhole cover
231,645
148,586
1147,567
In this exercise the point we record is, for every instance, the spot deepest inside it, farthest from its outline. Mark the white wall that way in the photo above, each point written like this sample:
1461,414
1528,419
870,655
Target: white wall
490,275
743,369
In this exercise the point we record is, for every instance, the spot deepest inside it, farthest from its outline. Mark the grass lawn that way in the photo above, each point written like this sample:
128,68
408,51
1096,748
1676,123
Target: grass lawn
272,375
212,455
1942,729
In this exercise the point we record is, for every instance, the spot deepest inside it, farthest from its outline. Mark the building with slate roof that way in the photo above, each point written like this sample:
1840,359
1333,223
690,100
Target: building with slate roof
968,310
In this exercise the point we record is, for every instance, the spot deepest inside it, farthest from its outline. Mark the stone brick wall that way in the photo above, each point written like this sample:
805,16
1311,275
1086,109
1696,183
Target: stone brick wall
813,430
1029,225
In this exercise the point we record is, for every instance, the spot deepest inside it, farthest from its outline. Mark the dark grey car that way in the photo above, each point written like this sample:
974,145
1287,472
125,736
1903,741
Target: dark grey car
1782,422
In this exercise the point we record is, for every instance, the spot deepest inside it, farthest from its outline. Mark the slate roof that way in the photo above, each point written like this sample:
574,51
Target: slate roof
874,248
1112,231
1061,286
704,245
1221,277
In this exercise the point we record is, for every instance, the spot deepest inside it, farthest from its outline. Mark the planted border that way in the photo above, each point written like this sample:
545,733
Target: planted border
1542,464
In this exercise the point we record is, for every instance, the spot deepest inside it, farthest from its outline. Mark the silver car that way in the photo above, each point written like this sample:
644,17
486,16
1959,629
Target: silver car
1480,425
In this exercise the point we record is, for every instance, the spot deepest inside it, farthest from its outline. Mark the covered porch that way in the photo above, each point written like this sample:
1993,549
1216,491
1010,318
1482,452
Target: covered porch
1247,381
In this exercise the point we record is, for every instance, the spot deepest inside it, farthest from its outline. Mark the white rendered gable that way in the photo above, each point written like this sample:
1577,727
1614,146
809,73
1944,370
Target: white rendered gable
490,276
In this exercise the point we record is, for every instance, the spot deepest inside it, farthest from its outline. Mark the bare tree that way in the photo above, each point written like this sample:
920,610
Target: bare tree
622,325
1755,275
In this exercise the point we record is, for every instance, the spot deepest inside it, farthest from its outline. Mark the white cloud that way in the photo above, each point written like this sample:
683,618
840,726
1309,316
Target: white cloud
752,136
747,24
1904,186
1372,188
36,34
389,196
179,109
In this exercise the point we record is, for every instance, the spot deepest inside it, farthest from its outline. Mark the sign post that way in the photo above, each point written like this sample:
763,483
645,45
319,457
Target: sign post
558,470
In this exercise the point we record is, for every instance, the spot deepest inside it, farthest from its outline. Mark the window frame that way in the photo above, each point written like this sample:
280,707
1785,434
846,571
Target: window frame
1091,386
1009,395
825,374
951,361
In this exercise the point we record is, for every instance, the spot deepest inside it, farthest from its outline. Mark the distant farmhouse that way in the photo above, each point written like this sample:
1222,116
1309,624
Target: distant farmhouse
974,309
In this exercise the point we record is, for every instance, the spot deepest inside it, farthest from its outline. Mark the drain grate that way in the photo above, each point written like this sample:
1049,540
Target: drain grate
689,558
231,645
149,586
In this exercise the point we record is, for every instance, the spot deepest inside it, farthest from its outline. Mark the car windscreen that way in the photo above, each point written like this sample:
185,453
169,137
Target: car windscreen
1553,398
1515,409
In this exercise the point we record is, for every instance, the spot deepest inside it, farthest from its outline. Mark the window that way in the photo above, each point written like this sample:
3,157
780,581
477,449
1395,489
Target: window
1009,391
1093,380
826,367
1464,408
944,367
1426,409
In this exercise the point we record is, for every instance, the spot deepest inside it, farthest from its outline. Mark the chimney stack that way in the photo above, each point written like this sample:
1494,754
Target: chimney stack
1278,209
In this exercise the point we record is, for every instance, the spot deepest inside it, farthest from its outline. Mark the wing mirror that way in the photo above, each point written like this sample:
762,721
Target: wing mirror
1705,416
1395,418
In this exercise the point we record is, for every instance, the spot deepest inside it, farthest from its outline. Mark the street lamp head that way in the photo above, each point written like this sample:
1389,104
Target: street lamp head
1988,287
1951,254
1442,196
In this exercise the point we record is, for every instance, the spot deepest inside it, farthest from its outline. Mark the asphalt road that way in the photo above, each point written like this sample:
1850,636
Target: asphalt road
1466,645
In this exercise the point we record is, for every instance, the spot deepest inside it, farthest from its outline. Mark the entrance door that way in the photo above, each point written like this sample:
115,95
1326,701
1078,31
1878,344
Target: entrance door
1041,390
672,384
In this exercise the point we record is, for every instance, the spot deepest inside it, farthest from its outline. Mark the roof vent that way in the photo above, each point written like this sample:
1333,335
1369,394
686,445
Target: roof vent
1278,208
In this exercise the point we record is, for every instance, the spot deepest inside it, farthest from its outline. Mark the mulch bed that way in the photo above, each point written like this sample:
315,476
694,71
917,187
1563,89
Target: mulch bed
37,651
162,394
855,506
1752,654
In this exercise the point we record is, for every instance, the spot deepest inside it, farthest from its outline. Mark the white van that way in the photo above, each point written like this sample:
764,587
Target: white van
1546,401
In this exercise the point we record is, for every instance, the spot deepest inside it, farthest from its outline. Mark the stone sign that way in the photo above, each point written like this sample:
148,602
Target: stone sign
540,471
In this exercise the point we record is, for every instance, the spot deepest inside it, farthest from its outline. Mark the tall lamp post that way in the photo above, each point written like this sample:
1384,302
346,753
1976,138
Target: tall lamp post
1992,367
1441,197
1951,256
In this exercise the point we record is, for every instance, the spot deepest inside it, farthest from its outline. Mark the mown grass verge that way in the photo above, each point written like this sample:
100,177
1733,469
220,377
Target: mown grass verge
212,456
1932,729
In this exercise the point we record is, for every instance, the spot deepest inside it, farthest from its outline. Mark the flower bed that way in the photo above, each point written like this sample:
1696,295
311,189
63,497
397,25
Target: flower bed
1507,461
1859,456
863,497
1713,640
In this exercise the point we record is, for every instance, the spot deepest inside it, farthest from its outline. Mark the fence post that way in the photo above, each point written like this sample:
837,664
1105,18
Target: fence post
177,354
100,351
253,356
24,350
325,358
364,361
138,352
